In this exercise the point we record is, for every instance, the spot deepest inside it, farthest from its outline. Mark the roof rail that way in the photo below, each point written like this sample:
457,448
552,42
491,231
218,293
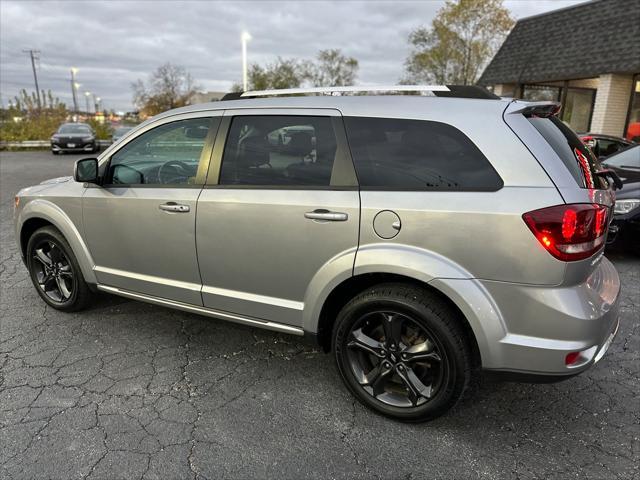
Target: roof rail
350,89
457,91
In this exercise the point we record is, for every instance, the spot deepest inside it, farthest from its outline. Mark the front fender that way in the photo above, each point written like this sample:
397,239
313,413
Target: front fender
52,213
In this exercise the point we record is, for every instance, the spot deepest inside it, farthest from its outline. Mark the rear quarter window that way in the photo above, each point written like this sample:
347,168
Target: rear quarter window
398,154
575,155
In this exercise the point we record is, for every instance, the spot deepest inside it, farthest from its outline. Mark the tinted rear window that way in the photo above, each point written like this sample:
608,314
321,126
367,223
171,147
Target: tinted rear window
575,155
417,155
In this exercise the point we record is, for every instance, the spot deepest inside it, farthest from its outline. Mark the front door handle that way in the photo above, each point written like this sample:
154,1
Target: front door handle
174,207
326,215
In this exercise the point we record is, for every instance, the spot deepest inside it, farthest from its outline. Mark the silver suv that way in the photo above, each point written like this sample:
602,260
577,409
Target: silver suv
418,238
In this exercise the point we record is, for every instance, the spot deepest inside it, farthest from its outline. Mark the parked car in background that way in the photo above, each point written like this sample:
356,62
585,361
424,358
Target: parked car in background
604,145
625,227
417,238
120,132
74,137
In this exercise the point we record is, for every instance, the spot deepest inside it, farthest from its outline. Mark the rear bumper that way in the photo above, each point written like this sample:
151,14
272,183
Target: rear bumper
542,325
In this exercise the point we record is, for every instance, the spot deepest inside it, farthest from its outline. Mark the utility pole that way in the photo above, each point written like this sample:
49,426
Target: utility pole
74,88
34,56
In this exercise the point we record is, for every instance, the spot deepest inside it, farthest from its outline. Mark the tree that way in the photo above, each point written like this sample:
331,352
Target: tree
332,69
26,120
462,39
170,86
284,73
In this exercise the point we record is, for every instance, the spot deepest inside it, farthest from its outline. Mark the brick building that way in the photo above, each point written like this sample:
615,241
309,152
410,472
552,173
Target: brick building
586,56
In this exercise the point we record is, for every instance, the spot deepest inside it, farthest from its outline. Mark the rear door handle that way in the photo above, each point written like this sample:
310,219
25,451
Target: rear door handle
326,215
174,207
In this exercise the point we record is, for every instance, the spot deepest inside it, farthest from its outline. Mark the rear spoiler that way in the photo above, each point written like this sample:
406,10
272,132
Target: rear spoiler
537,109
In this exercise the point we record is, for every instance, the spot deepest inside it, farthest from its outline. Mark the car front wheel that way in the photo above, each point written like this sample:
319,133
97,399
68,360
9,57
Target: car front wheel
55,272
402,352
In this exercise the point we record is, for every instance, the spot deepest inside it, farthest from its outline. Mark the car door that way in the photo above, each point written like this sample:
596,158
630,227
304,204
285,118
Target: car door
140,223
284,206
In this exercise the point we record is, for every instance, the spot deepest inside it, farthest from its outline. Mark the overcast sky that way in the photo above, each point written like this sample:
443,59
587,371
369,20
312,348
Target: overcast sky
113,43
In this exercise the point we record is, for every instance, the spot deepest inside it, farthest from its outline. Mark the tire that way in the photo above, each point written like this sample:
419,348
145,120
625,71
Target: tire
53,152
416,377
66,289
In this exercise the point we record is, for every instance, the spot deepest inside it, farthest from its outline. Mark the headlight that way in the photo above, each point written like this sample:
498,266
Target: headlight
88,138
626,205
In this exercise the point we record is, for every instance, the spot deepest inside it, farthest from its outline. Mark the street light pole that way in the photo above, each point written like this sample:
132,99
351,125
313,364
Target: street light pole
34,56
74,87
86,97
245,38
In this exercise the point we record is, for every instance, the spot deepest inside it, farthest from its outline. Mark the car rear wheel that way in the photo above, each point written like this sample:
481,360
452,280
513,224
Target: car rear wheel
55,272
402,352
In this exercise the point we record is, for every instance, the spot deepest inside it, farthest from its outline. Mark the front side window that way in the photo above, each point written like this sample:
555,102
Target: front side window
417,155
605,147
166,155
279,150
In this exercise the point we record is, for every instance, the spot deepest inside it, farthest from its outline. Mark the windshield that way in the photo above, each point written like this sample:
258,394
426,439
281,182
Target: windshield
626,158
74,128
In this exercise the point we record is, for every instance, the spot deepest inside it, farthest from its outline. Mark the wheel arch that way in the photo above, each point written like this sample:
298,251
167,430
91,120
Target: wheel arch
354,285
39,213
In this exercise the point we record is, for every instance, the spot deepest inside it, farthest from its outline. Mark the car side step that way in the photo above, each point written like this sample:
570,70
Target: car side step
209,312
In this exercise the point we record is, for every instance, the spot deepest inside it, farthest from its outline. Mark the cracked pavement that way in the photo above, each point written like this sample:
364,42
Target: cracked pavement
131,390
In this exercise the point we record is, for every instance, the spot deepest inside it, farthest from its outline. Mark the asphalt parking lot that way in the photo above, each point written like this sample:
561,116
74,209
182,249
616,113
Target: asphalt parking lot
131,390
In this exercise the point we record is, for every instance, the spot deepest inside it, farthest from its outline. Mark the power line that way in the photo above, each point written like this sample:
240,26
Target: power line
35,55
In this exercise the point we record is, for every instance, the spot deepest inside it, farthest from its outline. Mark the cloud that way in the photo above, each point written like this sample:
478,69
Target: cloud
113,43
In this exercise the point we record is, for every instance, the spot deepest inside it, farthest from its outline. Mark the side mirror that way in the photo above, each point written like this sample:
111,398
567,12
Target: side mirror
86,170
607,172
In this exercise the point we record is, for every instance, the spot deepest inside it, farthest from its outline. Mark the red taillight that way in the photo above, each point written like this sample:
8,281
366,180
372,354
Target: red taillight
586,169
569,232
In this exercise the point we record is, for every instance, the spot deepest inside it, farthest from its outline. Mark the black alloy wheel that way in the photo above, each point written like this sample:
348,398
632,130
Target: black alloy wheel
55,272
395,359
402,351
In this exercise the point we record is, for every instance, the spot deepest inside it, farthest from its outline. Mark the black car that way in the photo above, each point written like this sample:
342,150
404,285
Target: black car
626,220
604,145
74,137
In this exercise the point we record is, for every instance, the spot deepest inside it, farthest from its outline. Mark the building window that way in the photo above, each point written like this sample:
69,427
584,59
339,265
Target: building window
540,93
577,103
632,130
577,108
